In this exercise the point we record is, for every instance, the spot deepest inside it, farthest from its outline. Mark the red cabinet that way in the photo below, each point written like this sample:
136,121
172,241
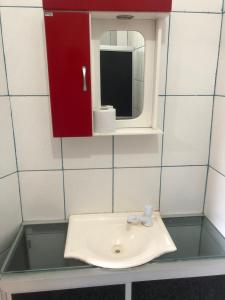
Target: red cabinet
68,51
67,26
110,5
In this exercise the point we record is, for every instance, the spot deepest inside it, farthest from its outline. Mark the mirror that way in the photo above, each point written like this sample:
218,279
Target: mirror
122,57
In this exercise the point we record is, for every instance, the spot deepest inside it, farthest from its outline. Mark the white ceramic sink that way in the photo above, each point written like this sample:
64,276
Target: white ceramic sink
107,240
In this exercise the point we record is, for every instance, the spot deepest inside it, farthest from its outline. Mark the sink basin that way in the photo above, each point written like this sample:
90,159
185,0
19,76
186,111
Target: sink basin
107,240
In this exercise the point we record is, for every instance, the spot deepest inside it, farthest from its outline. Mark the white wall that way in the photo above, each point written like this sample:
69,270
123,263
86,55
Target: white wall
104,174
215,197
10,210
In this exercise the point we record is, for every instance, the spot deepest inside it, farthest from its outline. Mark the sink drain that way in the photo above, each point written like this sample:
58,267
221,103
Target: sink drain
117,249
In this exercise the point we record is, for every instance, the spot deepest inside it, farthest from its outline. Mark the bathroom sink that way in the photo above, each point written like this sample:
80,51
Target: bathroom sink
107,240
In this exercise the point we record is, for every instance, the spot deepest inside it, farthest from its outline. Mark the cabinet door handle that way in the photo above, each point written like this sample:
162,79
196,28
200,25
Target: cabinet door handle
84,71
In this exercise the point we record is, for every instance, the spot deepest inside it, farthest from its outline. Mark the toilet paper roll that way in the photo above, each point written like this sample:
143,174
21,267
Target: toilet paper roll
105,119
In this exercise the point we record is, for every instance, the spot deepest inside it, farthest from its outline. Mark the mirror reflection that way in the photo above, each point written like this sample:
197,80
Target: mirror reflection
122,72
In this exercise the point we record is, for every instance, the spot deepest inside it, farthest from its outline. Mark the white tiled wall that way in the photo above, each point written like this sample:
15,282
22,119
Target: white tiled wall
88,191
7,151
26,67
183,190
187,130
136,187
199,5
10,207
215,204
10,212
36,148
58,178
42,195
220,88
193,49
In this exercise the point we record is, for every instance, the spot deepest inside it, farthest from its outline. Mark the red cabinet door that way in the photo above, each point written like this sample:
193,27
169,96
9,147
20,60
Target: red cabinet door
68,52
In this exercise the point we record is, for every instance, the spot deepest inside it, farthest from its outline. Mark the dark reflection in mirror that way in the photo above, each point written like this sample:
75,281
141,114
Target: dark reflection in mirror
122,72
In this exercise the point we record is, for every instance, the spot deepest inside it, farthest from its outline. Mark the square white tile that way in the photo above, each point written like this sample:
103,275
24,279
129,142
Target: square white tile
199,5
42,195
220,86
81,153
88,191
24,3
135,187
215,204
7,150
194,40
217,153
182,190
10,210
137,151
187,130
27,65
3,82
140,151
36,147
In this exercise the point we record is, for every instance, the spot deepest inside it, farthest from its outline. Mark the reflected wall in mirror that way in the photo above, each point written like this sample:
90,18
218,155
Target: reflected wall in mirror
122,60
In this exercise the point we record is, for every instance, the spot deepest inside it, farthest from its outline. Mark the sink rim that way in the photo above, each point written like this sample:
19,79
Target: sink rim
90,257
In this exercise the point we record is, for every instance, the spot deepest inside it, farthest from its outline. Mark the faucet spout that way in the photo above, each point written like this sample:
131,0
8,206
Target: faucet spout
145,219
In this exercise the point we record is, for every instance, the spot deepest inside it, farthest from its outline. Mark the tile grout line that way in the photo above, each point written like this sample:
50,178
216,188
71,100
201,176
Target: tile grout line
217,171
213,106
34,95
12,122
7,175
196,12
111,168
63,178
223,96
164,114
186,95
160,95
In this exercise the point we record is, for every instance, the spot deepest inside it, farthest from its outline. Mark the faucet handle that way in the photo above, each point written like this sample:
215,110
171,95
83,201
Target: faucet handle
148,210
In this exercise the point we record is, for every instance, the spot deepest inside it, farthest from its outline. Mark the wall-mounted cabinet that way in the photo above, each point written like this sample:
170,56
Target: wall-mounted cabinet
87,49
68,49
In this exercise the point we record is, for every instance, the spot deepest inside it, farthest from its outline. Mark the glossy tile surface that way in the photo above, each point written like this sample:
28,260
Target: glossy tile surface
7,151
217,153
10,212
194,40
88,191
27,66
36,147
199,5
42,195
91,152
133,188
187,130
215,204
220,87
183,190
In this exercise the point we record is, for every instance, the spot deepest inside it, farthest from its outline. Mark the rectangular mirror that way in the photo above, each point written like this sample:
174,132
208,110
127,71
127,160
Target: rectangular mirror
122,60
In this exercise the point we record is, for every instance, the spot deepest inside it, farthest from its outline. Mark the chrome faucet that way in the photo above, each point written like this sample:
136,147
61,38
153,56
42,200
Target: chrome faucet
145,219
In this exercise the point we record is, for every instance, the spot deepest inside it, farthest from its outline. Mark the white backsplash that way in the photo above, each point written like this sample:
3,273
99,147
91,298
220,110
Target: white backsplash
215,204
104,174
